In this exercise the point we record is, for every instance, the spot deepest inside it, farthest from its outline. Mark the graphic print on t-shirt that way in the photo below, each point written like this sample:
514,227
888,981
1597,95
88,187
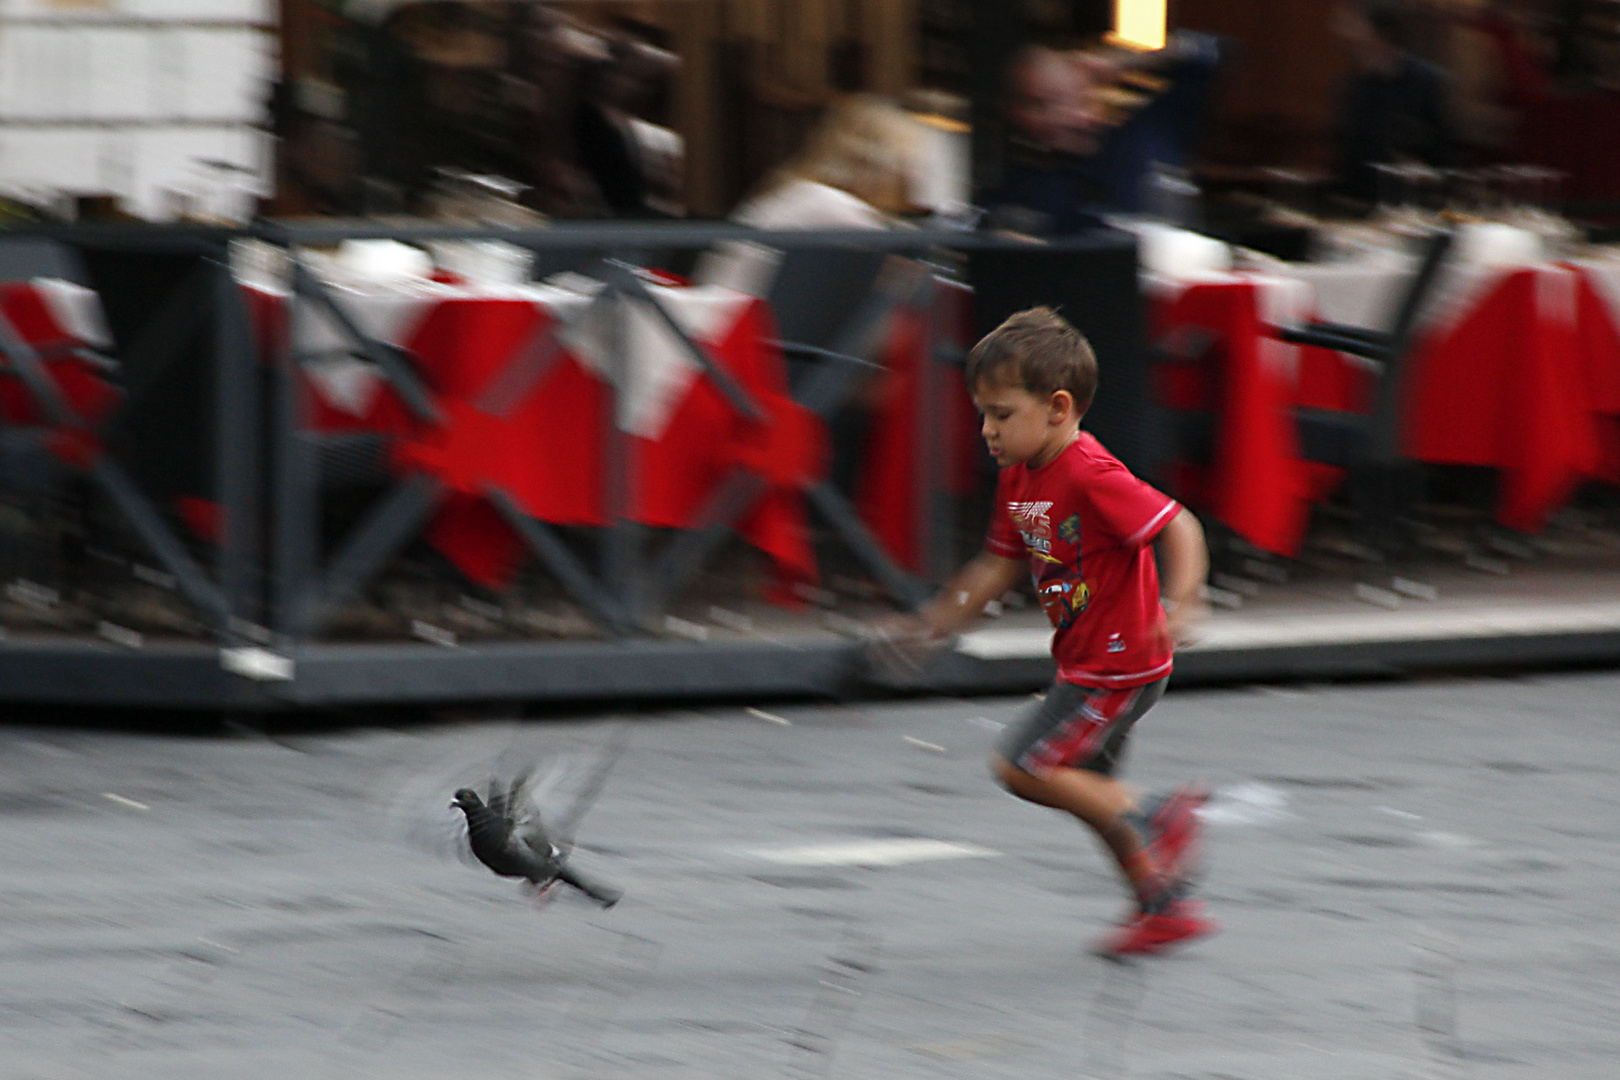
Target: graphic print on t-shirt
1064,594
1062,590
1033,524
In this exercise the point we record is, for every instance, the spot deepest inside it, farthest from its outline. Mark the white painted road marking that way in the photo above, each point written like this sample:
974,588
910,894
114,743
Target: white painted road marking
874,852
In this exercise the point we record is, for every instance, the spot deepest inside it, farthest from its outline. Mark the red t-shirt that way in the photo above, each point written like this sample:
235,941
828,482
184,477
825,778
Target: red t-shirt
1085,524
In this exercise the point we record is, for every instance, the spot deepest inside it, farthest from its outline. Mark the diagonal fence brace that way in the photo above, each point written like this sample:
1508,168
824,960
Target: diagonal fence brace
393,360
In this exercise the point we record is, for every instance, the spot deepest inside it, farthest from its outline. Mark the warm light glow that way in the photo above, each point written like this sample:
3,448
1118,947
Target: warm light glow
1140,24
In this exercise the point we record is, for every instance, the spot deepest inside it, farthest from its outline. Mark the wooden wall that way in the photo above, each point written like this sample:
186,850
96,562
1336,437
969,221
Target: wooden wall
1276,101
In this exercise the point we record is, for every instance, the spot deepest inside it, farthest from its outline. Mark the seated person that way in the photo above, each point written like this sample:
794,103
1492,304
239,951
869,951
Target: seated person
1497,76
1071,160
610,139
853,172
1394,107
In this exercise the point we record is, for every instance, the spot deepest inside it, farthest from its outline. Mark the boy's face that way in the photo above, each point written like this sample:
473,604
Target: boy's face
1019,427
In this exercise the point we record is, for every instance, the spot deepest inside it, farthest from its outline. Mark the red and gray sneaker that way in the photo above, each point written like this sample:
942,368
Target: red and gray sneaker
1174,831
1150,932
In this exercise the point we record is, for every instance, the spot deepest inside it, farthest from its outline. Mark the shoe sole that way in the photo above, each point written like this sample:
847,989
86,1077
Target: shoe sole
1112,949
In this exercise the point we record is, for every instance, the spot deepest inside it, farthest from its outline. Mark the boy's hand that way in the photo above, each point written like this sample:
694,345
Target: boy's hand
901,625
1183,566
900,646
1182,621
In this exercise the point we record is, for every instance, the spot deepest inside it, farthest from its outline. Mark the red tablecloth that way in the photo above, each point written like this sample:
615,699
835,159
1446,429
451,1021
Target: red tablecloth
546,451
1597,328
83,386
1223,362
1506,385
903,464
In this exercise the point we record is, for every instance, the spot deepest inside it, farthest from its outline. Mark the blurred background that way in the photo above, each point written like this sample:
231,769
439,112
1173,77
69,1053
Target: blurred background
349,107
425,324
393,394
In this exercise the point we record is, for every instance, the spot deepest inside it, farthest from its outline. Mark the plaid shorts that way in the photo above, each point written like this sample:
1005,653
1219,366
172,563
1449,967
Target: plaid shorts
1077,727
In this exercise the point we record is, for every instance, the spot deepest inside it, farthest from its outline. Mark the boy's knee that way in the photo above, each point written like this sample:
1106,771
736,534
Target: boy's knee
1007,774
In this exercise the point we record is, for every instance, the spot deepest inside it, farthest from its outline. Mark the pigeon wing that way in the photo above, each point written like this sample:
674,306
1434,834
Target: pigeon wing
595,774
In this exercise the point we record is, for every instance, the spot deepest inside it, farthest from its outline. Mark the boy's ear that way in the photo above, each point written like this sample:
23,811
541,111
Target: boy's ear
1061,404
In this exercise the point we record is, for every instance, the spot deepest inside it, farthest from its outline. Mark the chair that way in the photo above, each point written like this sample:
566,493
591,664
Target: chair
817,294
1383,486
833,308
1346,439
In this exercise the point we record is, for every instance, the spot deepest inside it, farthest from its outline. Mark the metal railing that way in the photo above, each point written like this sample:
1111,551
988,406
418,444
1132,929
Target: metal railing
267,575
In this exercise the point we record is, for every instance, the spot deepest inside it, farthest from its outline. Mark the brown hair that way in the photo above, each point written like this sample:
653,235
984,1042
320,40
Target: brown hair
1039,350
863,144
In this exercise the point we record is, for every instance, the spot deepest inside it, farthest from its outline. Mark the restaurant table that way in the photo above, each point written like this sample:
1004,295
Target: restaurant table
1514,367
540,437
1499,380
60,322
1222,361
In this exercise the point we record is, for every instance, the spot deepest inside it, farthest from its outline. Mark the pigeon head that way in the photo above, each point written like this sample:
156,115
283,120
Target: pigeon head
467,799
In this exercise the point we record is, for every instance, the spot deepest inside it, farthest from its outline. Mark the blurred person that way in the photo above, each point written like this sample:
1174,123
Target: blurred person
317,166
1496,72
630,169
1068,513
1077,151
853,172
431,92
548,56
1394,108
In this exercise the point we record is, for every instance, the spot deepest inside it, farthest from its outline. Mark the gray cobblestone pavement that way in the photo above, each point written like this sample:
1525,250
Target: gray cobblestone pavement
1414,880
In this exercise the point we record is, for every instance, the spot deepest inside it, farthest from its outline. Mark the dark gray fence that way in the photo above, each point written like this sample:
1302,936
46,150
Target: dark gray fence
211,417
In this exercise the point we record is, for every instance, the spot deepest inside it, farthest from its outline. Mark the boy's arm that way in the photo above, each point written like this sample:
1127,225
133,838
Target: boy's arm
1183,566
963,598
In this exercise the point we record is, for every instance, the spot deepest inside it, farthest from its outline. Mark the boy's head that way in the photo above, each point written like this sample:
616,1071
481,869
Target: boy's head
1036,350
1033,378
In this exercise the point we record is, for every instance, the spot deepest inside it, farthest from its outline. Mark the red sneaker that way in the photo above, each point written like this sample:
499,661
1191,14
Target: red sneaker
1153,932
1175,831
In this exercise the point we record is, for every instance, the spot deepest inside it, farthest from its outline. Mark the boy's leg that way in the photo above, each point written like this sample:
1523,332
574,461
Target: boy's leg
1170,824
1105,805
1063,754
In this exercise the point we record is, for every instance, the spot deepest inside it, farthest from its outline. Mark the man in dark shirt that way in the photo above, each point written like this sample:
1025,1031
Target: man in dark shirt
1394,107
1068,163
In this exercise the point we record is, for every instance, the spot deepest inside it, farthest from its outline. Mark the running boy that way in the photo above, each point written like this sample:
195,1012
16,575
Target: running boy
1083,525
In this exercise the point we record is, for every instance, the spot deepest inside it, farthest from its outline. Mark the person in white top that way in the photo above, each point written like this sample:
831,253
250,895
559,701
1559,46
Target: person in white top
853,172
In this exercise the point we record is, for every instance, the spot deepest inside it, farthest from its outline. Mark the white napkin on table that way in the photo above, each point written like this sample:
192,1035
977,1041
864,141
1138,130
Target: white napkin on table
76,310
660,369
1179,254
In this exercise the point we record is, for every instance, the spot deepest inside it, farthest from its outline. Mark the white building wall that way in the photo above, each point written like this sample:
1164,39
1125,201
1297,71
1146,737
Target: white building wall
160,103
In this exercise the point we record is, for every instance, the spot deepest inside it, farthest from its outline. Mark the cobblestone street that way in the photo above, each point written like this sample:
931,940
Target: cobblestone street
1414,880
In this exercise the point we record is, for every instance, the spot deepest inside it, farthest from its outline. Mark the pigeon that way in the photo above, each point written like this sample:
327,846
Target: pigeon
509,838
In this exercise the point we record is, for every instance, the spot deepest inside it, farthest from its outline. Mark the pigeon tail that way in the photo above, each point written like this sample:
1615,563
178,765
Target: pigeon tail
605,895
